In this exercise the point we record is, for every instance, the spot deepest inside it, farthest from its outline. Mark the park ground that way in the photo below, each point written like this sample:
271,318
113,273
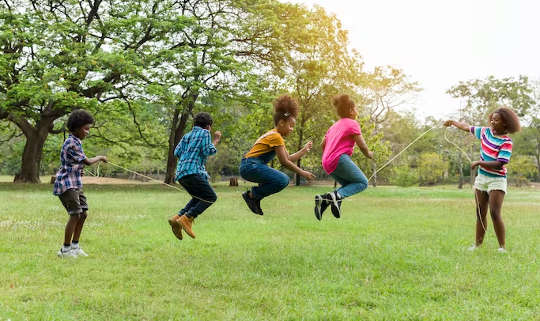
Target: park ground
396,254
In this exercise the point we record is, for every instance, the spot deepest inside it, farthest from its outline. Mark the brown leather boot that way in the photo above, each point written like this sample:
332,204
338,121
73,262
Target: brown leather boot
186,223
175,226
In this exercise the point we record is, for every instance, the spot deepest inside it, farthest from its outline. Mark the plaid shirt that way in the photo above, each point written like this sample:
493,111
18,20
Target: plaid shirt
192,152
69,176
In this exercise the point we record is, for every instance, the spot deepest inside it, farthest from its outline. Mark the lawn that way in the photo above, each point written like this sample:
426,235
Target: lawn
396,254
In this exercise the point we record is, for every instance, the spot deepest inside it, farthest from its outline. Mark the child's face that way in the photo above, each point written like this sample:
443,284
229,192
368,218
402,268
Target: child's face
286,126
497,123
82,132
354,113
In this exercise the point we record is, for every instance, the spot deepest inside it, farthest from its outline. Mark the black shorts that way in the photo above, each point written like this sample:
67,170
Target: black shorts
74,201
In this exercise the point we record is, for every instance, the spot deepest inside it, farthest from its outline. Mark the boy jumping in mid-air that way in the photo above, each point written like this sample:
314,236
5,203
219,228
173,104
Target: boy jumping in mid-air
192,152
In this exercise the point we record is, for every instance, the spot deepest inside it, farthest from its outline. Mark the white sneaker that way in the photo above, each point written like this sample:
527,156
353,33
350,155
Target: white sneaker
67,254
79,252
501,250
472,248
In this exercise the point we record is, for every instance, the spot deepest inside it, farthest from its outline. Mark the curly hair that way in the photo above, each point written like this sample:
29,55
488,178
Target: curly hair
285,107
344,105
202,120
509,117
78,118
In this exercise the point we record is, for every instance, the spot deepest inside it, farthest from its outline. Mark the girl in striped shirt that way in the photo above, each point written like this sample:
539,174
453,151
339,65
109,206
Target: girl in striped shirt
490,183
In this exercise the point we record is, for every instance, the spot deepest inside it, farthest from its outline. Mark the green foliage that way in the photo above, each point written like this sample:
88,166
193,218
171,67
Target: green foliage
431,168
522,167
404,176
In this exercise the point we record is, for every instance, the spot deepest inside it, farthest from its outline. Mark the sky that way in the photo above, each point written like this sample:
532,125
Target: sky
439,43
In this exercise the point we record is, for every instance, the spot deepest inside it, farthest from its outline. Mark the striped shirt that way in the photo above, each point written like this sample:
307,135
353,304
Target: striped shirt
192,152
493,148
69,176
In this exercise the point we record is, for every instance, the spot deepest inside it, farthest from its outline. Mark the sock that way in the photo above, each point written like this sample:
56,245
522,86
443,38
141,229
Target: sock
75,244
66,248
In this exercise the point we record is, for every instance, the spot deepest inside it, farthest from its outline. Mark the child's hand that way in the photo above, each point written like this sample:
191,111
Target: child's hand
308,175
308,146
474,164
217,136
370,155
448,123
103,158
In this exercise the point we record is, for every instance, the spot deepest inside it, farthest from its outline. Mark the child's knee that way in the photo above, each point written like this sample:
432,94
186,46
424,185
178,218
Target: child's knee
283,181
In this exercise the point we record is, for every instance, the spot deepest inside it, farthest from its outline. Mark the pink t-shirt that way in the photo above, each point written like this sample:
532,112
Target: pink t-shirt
339,140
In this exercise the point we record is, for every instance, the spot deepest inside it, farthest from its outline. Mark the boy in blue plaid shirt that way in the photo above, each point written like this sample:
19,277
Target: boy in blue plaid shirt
68,183
192,152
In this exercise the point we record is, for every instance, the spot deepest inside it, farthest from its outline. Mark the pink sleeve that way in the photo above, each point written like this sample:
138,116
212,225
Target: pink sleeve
353,128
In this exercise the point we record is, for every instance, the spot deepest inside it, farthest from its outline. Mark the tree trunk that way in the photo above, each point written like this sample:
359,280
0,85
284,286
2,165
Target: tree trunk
300,142
33,150
460,166
374,166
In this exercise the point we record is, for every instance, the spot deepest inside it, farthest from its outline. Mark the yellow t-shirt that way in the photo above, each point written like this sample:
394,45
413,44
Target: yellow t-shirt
266,143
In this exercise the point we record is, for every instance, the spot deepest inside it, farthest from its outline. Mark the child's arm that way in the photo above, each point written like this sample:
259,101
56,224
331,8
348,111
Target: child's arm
323,144
208,147
462,126
497,165
363,146
283,157
93,160
299,154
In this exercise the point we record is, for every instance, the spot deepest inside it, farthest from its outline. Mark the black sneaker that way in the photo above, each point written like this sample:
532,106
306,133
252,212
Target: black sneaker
258,204
251,203
336,203
321,204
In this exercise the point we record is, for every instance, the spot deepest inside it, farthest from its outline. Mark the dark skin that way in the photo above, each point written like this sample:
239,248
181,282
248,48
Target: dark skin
493,199
75,223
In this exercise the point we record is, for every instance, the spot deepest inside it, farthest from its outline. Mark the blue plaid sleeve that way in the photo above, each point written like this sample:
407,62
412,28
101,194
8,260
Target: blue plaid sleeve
178,149
207,147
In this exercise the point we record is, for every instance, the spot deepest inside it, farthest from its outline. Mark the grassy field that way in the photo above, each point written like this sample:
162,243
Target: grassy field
396,254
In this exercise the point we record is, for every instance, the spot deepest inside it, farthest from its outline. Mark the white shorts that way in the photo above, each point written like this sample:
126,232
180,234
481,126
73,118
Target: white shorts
488,184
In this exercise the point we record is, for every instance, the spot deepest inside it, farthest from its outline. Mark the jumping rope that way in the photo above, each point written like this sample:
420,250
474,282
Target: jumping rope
155,180
470,161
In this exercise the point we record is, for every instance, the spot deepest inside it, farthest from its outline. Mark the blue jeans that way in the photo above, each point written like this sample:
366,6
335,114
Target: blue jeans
197,185
351,178
270,180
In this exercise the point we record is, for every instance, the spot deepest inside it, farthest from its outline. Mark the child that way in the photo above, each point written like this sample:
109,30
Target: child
338,146
490,184
253,167
192,152
68,183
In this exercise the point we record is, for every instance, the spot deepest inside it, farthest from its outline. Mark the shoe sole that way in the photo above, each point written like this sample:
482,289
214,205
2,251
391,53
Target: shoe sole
176,228
188,232
335,206
318,202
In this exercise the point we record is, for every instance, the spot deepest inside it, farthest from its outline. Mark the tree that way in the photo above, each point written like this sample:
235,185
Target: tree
431,168
61,55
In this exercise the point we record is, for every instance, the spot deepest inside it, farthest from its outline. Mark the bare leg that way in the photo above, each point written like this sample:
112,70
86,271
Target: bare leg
70,228
482,201
496,199
79,227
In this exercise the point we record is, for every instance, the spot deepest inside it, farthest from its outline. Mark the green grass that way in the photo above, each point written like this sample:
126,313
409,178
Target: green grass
6,178
396,254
